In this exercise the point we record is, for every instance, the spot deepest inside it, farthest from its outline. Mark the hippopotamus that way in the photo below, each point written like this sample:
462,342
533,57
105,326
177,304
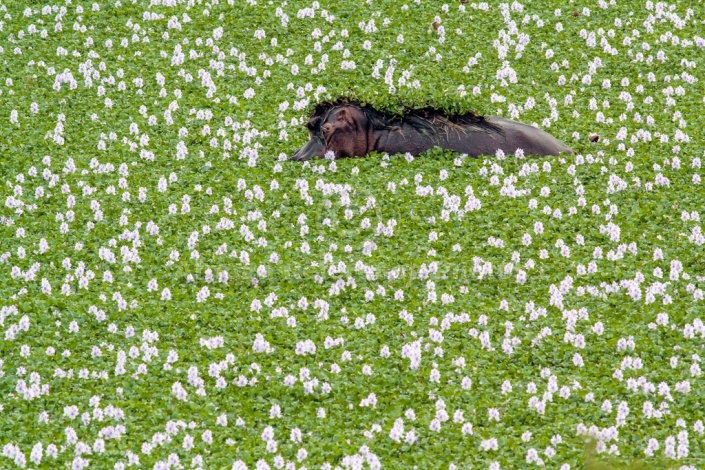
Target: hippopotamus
344,129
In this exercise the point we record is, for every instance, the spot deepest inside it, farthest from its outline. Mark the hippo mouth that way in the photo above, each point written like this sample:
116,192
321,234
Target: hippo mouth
298,155
313,149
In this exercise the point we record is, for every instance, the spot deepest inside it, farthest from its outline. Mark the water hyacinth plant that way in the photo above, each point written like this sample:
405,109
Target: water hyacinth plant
174,294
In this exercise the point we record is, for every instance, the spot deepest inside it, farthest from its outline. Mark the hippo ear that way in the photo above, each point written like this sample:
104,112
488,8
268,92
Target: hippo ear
313,123
345,115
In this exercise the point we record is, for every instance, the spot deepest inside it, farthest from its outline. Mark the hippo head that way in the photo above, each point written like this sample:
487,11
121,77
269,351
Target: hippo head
342,130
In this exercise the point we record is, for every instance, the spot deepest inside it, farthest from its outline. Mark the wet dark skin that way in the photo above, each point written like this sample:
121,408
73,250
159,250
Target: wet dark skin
349,130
